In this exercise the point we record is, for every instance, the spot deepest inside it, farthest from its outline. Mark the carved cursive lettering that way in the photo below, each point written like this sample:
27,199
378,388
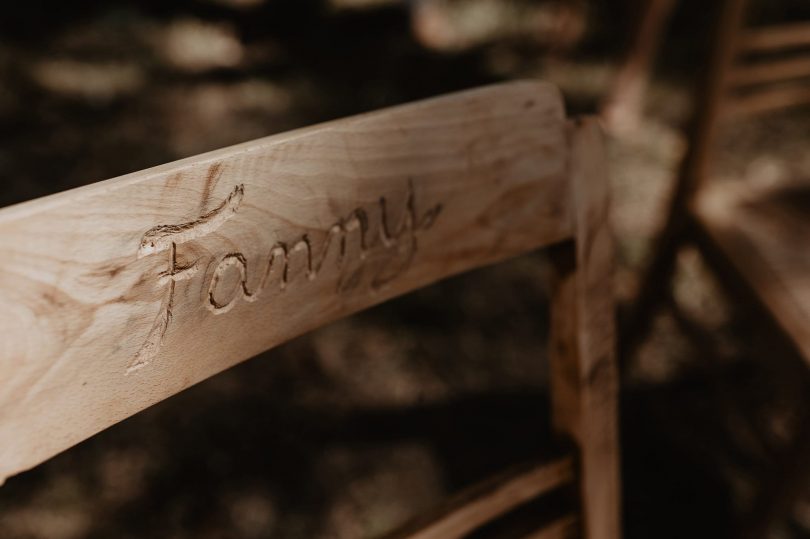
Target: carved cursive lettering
166,238
401,240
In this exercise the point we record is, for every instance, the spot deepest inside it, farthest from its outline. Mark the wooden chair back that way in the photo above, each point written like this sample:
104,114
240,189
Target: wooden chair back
751,70
736,226
747,71
120,294
770,70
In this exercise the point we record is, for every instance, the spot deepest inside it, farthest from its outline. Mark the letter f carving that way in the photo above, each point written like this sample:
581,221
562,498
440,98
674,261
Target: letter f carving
165,239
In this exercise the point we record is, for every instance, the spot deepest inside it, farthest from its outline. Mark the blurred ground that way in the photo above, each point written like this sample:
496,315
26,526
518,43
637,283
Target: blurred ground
348,432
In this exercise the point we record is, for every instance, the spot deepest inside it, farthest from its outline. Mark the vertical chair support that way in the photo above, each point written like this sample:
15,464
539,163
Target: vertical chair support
584,379
622,109
702,131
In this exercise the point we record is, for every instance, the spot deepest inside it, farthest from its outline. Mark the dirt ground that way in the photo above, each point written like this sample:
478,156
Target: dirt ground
349,431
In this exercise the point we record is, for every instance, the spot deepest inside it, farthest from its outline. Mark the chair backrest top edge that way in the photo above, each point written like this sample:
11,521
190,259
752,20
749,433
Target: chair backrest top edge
120,294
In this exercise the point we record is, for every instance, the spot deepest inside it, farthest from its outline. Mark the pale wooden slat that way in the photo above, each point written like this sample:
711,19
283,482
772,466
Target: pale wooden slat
774,38
584,378
771,71
768,99
563,528
490,500
117,295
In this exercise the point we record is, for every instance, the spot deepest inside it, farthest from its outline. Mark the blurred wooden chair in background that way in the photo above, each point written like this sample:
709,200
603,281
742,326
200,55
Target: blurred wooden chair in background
623,105
120,294
753,236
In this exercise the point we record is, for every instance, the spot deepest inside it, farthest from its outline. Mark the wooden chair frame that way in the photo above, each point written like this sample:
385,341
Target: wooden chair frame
711,219
120,294
717,99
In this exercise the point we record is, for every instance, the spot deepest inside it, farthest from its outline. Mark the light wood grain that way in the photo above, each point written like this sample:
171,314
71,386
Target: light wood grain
484,502
584,378
118,295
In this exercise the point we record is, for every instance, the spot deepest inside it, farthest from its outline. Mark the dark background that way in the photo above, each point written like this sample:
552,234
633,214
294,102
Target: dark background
351,430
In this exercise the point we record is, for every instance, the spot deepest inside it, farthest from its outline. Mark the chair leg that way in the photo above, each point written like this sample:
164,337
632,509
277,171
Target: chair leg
652,293
622,109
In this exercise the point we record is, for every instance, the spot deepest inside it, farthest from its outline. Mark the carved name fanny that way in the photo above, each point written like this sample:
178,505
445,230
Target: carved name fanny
400,240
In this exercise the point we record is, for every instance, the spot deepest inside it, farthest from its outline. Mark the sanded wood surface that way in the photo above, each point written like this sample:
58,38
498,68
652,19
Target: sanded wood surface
584,372
495,497
762,234
117,295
